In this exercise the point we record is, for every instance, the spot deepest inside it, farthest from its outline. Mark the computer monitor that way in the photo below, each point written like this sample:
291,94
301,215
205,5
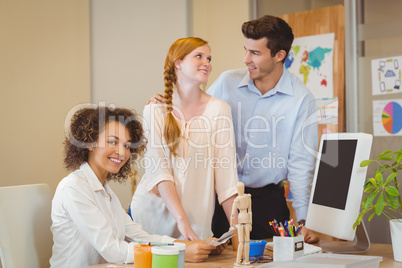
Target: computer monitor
337,188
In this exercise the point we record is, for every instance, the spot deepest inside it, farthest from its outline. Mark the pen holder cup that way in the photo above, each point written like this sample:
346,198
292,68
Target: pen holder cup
288,248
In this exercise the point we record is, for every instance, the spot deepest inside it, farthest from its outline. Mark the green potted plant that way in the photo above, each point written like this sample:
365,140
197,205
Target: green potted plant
382,196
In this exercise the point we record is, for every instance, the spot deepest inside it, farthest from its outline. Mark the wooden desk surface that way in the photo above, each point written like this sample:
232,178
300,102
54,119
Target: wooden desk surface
227,258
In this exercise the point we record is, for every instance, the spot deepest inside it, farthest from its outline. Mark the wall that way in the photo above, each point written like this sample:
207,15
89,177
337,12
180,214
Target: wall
273,7
129,43
219,22
44,66
379,38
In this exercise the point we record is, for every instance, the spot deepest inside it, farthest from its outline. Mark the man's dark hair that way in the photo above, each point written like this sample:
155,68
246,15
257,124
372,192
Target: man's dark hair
276,30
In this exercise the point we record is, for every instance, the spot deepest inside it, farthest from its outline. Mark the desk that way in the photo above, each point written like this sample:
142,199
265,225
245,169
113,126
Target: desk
228,257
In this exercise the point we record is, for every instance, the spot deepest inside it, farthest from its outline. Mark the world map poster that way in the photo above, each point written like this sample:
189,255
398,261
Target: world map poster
311,60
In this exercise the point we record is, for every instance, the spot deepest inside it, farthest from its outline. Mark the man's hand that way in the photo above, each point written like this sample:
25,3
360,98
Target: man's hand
309,235
157,98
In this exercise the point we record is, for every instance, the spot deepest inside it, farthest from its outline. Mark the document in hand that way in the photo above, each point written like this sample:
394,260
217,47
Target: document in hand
224,238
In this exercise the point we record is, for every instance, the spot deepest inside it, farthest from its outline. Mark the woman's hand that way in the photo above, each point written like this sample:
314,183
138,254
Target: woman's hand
186,231
197,251
218,250
168,192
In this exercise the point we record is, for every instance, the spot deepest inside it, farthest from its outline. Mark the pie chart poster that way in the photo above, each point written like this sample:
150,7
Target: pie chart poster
387,117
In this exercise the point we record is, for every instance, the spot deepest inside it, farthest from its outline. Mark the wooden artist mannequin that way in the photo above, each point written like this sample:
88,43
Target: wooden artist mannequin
242,203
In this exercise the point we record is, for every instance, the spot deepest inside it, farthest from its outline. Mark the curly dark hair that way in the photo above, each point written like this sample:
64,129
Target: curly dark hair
86,125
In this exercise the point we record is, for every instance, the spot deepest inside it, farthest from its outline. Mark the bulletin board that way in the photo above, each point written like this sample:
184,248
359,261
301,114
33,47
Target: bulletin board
323,21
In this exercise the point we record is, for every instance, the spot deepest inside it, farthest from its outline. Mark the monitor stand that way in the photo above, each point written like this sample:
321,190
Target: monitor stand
362,243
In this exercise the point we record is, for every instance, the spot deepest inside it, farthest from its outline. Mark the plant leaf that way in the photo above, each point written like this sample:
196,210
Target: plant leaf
398,157
379,207
368,188
379,170
392,200
365,163
385,152
371,216
379,178
392,190
358,220
385,157
368,182
370,199
391,177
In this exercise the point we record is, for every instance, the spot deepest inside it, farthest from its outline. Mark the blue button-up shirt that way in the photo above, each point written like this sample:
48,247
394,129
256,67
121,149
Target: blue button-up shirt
276,133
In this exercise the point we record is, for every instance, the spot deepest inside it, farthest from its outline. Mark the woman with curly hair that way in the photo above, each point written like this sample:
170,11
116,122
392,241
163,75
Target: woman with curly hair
190,156
89,224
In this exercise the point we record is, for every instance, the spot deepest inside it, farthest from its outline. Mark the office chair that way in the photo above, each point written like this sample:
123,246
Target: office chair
25,236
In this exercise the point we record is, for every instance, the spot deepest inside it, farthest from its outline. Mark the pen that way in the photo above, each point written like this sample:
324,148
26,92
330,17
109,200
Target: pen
292,233
285,229
298,229
156,244
273,228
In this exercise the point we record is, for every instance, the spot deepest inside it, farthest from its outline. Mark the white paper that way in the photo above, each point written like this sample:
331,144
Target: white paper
328,110
386,75
224,238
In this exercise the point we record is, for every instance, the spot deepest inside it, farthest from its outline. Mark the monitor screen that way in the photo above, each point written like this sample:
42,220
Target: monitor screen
338,182
334,173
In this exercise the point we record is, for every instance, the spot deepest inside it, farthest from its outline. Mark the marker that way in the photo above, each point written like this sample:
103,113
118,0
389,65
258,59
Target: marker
281,231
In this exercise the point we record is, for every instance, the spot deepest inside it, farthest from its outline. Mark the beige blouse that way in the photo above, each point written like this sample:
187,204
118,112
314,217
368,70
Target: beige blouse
205,166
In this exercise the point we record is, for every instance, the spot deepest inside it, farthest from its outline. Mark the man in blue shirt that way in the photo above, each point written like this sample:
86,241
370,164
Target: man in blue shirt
274,117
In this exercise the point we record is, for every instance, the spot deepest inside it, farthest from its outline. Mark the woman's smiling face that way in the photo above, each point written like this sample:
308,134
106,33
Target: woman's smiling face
196,66
112,150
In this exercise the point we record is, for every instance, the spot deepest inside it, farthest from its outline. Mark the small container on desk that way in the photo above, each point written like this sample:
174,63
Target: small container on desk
288,248
182,248
165,257
143,256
